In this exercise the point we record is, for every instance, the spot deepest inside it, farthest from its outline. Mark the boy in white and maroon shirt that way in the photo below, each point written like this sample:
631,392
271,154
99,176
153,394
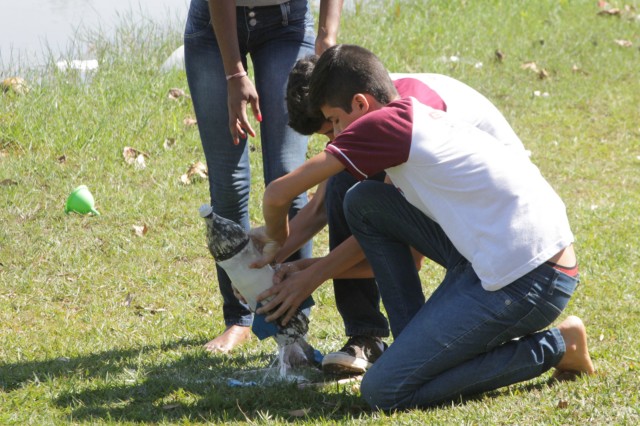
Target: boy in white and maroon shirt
480,209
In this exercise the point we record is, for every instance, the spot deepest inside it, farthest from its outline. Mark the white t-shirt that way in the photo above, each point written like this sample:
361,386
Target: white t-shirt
466,104
491,200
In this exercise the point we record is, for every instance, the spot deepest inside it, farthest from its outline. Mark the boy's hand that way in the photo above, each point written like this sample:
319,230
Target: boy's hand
265,245
290,292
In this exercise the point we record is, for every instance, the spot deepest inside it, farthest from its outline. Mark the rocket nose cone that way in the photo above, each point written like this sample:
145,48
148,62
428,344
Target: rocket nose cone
225,238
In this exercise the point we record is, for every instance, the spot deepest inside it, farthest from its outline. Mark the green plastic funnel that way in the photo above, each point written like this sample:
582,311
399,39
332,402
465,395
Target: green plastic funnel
81,201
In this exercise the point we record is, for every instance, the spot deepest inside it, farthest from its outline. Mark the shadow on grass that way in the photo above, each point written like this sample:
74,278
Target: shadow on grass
136,385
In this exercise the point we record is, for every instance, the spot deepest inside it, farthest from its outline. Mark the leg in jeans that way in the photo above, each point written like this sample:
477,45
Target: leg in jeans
460,341
229,174
228,164
357,300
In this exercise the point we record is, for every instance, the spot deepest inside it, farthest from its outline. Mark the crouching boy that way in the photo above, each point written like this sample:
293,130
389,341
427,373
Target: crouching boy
481,210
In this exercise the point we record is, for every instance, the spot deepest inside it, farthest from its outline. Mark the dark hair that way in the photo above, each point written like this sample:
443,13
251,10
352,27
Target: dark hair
344,70
301,118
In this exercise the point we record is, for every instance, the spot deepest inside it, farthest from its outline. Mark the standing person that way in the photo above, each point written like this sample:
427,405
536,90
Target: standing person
357,297
219,36
481,210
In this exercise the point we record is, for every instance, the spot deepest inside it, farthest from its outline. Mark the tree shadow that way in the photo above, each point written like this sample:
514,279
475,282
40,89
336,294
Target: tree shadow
193,386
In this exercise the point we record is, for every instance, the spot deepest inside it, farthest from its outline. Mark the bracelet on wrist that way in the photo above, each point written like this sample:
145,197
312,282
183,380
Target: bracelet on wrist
237,75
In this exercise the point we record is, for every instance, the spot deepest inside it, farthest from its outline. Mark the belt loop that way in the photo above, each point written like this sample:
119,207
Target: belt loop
284,8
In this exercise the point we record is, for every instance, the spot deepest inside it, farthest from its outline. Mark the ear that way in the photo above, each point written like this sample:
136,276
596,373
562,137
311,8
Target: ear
360,103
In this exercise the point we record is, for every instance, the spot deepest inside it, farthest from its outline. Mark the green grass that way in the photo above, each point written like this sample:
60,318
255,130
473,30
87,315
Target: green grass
98,325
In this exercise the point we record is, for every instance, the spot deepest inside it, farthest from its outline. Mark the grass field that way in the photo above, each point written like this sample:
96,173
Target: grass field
102,324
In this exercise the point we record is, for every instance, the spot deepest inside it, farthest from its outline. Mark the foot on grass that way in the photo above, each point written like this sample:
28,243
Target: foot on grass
576,360
233,336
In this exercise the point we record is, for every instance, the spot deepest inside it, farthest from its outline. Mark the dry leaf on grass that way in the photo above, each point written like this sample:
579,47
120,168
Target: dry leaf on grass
610,12
190,121
563,403
623,43
127,300
169,143
8,182
139,230
196,171
140,310
15,84
542,73
175,93
135,157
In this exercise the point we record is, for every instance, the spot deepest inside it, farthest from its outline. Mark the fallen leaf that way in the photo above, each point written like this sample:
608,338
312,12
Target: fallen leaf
610,12
140,162
176,93
15,84
127,300
135,157
8,182
196,170
62,159
623,43
576,69
140,310
189,121
169,143
542,74
563,404
529,66
299,413
140,230
500,55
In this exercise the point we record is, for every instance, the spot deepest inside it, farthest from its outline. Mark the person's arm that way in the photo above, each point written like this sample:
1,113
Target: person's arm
305,224
296,281
279,195
240,88
328,24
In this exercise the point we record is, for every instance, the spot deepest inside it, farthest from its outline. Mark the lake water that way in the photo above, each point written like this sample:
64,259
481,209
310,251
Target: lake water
30,29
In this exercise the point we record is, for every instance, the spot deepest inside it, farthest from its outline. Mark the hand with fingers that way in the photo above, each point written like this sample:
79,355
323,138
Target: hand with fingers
265,245
292,286
241,92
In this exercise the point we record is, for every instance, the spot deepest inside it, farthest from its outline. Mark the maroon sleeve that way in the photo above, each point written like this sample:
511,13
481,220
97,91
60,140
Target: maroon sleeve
424,94
376,141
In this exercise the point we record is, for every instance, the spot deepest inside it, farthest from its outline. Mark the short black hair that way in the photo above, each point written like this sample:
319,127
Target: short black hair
344,70
301,118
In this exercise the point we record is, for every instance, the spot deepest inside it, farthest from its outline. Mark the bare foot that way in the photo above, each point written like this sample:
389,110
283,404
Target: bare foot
233,336
576,360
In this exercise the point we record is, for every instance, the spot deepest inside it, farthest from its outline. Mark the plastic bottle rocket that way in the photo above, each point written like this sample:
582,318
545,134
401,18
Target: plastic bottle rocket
234,251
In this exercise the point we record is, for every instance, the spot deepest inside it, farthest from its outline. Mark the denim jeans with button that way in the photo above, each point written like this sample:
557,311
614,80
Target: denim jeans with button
463,340
275,37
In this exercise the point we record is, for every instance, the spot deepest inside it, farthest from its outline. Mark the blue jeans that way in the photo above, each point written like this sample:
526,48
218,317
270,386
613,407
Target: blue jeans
357,300
464,340
275,37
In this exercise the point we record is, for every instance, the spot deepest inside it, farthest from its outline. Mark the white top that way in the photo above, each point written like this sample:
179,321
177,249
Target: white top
467,104
491,200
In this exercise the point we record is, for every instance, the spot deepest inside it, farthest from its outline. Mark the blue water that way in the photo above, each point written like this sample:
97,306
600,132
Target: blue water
32,30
